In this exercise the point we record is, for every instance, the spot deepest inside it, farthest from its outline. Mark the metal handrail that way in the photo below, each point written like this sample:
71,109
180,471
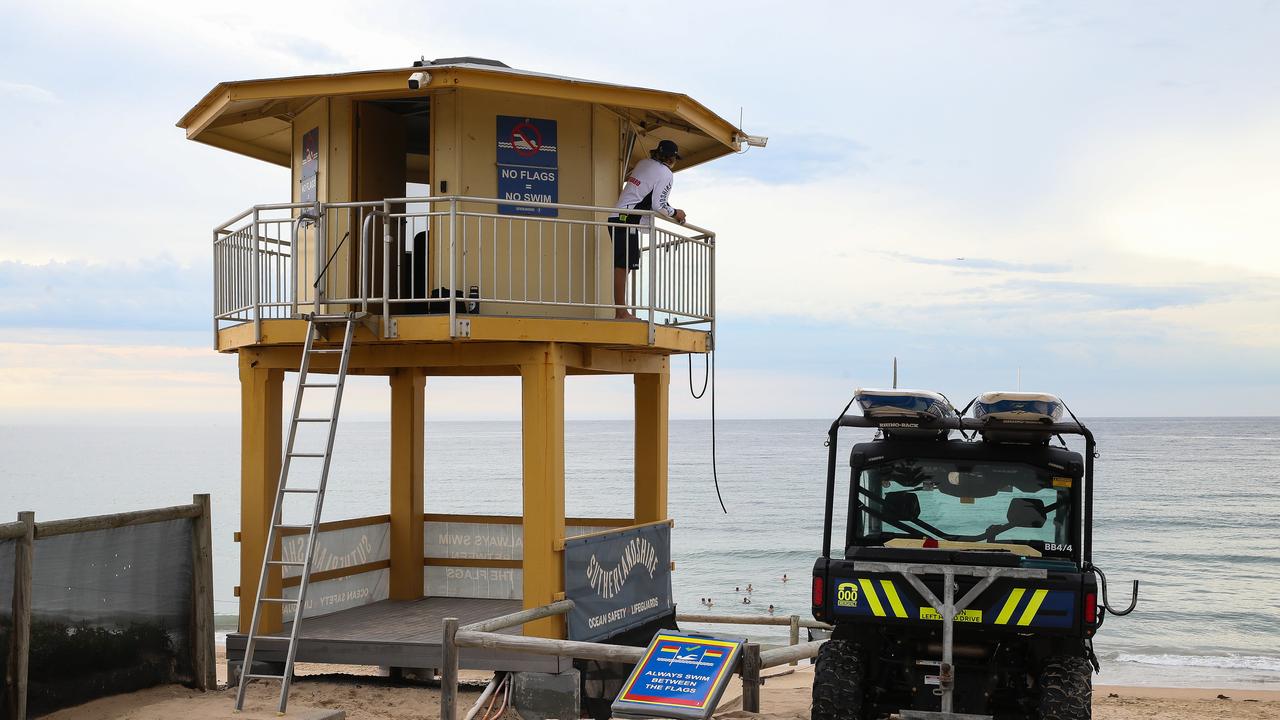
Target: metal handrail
364,248
550,261
486,634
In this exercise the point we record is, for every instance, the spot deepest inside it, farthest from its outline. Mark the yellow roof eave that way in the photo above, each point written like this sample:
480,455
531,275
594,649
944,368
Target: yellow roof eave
216,102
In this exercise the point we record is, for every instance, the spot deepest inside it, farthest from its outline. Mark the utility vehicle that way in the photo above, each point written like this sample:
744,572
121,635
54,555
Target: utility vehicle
963,586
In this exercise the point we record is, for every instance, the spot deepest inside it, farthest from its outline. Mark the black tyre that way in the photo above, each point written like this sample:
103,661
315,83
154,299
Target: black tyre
837,682
1066,689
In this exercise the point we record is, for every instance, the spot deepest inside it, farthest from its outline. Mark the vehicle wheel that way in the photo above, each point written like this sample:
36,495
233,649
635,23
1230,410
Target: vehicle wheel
837,682
1066,689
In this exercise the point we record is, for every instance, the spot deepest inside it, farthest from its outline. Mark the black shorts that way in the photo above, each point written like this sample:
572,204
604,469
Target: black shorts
626,247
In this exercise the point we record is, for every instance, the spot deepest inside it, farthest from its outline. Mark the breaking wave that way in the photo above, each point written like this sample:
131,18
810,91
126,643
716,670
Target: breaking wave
1226,662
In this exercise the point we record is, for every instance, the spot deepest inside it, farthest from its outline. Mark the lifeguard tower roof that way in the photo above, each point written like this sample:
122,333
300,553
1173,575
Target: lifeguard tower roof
254,117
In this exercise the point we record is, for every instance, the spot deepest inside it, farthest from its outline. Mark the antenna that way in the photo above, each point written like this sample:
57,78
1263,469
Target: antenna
895,372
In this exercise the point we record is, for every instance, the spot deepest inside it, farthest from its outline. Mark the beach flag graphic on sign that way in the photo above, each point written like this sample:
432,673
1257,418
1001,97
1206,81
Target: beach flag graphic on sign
680,676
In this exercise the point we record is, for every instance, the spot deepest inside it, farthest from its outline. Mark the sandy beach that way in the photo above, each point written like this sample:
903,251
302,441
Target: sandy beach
785,696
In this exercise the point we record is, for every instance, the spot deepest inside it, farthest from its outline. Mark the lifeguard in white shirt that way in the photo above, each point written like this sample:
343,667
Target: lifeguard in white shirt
647,187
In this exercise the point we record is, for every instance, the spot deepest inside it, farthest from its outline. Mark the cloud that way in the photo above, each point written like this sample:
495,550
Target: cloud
22,92
140,295
977,263
796,158
1084,296
1116,209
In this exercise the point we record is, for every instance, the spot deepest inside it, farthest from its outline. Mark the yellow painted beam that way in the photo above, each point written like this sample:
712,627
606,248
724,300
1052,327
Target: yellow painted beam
240,147
261,401
407,437
487,330
542,427
651,408
210,107
611,361
464,359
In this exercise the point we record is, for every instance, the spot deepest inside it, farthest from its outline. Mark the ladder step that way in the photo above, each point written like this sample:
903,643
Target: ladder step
280,601
302,490
319,385
293,527
255,676
306,455
326,350
286,563
274,638
315,420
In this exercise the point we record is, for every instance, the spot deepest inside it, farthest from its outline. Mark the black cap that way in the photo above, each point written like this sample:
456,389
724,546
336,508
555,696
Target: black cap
668,148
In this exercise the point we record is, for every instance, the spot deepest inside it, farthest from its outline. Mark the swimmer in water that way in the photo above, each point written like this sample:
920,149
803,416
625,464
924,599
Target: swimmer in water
770,609
749,588
784,577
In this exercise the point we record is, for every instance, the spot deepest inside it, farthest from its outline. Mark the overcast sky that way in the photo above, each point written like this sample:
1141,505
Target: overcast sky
1085,193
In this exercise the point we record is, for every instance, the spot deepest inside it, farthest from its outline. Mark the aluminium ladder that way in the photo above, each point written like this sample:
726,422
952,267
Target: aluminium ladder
316,328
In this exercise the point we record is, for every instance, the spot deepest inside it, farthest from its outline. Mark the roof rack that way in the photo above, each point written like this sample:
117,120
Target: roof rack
971,424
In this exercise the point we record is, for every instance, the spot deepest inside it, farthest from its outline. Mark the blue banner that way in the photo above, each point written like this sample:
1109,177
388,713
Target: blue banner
528,164
617,581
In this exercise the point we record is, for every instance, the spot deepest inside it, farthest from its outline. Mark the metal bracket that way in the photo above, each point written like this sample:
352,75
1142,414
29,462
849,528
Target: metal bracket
462,328
929,715
948,607
393,328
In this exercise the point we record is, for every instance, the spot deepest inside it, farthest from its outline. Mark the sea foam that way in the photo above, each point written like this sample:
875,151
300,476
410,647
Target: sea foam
1226,662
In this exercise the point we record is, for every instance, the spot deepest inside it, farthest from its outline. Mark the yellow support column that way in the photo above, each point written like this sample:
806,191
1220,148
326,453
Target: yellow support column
261,396
651,408
542,402
407,438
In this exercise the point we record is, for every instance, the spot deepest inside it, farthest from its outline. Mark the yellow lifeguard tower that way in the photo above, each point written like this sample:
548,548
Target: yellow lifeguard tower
449,218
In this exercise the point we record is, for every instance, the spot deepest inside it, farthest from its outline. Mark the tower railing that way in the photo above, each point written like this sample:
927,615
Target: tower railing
457,256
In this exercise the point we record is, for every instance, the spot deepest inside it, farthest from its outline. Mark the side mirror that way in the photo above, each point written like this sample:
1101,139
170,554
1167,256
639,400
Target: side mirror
1027,513
901,505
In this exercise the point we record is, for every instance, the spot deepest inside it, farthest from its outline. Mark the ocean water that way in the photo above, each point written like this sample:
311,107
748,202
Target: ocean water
1187,506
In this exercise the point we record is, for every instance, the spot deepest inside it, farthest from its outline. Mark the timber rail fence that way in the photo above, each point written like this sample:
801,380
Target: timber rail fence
26,532
485,635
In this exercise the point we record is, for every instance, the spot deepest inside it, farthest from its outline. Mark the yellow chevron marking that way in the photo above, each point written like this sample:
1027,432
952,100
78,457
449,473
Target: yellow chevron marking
1032,607
1010,605
869,592
891,593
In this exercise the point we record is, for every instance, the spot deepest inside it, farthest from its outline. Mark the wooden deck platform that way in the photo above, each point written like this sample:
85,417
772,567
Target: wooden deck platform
397,633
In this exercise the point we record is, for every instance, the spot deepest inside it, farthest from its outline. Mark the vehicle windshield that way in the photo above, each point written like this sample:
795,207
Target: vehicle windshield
996,503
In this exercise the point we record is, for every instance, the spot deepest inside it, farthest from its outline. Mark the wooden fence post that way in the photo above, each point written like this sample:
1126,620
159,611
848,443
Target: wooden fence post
20,639
203,664
795,634
449,673
751,677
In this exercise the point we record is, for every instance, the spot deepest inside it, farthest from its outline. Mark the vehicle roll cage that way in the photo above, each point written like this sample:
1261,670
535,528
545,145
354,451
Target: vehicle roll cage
966,425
